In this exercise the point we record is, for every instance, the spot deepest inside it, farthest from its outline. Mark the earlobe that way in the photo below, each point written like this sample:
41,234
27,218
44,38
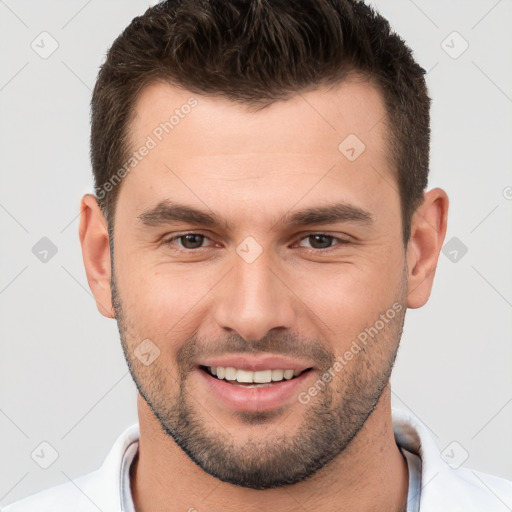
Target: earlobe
94,238
428,230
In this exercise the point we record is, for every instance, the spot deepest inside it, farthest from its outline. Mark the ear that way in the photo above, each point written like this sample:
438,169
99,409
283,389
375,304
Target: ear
428,229
94,239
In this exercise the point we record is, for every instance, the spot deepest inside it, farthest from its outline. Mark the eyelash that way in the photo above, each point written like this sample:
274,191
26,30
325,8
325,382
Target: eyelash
340,241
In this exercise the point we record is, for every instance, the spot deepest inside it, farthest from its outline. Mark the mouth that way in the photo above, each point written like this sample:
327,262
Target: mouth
253,382
253,379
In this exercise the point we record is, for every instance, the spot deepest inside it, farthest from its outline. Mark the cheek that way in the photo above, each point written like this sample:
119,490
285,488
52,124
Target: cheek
347,299
163,303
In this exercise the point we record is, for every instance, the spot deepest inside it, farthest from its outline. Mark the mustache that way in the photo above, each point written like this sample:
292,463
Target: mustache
284,344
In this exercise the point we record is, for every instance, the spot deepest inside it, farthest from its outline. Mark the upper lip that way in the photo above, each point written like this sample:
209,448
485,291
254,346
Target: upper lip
256,363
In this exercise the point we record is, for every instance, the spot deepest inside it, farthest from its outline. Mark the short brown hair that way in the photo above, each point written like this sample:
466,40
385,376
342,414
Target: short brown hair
256,52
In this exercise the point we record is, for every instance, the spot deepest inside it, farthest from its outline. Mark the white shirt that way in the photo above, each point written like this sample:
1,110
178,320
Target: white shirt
433,485
414,492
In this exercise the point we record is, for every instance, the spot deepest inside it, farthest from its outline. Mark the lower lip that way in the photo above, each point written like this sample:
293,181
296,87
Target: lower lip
240,398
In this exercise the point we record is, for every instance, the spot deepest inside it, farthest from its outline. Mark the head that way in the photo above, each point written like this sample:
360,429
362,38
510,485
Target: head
260,172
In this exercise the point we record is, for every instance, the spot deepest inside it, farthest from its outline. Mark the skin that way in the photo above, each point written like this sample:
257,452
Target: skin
252,168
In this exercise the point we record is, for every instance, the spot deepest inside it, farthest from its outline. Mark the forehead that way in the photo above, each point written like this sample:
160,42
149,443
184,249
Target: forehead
211,150
316,120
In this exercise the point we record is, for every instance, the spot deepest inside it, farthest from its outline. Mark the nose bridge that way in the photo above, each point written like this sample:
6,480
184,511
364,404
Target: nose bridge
254,300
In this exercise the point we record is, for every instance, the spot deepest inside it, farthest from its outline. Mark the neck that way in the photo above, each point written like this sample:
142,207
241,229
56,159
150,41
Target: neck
369,475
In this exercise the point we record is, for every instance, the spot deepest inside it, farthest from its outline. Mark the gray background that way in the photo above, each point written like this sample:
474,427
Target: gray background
63,378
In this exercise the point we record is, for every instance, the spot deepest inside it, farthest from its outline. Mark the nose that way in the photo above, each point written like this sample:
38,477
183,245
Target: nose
254,299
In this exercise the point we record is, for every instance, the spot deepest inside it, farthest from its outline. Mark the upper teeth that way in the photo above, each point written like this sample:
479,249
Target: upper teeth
259,377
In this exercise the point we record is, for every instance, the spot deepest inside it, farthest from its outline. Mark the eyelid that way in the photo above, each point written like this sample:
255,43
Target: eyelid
340,241
173,238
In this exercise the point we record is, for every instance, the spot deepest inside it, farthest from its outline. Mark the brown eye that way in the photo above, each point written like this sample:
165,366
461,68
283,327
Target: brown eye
188,241
320,241
191,241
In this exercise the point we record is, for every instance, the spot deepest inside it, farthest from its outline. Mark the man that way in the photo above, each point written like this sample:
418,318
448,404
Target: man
259,227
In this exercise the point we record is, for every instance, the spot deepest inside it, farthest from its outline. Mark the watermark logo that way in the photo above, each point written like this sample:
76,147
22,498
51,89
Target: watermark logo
454,45
147,352
44,455
44,250
352,147
455,249
249,249
44,45
455,455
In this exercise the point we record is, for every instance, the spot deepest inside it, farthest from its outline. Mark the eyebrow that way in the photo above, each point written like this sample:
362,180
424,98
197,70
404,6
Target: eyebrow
168,211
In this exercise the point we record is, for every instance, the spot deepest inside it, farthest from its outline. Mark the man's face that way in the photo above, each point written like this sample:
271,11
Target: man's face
265,289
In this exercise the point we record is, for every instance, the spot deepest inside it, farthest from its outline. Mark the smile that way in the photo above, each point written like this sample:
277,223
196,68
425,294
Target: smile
240,376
